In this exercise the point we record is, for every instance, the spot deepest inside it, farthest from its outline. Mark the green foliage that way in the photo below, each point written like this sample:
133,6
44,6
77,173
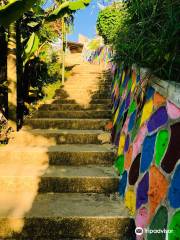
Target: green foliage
14,10
67,8
53,72
50,89
80,4
152,37
31,47
76,5
149,37
40,72
94,44
58,12
48,33
109,21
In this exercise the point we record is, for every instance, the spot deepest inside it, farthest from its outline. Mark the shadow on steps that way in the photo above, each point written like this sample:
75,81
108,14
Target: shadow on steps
64,185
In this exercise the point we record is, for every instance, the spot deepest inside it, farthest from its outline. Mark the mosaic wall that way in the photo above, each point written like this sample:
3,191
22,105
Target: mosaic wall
146,131
100,56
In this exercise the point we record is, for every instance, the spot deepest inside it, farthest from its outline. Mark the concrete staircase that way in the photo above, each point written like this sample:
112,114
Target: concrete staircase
77,196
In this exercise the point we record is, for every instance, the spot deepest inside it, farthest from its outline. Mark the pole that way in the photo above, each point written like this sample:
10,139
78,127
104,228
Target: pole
12,76
63,49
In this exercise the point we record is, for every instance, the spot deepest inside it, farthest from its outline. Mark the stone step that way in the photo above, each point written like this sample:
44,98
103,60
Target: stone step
73,114
70,136
77,216
93,101
83,124
79,179
66,154
74,107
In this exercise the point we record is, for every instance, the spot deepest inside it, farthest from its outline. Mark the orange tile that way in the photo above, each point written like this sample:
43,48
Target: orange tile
158,186
158,100
128,158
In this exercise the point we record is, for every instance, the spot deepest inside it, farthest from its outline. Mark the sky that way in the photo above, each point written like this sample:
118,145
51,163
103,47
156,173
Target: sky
85,22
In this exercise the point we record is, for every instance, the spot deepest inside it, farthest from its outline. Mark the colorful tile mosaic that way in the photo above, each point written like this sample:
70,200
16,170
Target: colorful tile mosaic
159,222
150,149
157,120
146,131
147,152
174,190
173,152
101,56
122,184
162,142
134,170
142,191
130,200
175,226
142,217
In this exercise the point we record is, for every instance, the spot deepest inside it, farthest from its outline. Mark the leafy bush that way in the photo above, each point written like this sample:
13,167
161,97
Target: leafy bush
149,36
39,74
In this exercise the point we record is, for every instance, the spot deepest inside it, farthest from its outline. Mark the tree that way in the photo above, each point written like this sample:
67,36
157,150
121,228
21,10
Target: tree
3,71
9,17
109,21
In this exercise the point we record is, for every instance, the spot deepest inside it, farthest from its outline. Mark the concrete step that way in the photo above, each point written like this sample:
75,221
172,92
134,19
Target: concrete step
54,238
77,216
66,154
83,124
93,95
93,101
75,107
70,136
79,179
73,114
101,101
76,96
82,154
94,89
82,87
